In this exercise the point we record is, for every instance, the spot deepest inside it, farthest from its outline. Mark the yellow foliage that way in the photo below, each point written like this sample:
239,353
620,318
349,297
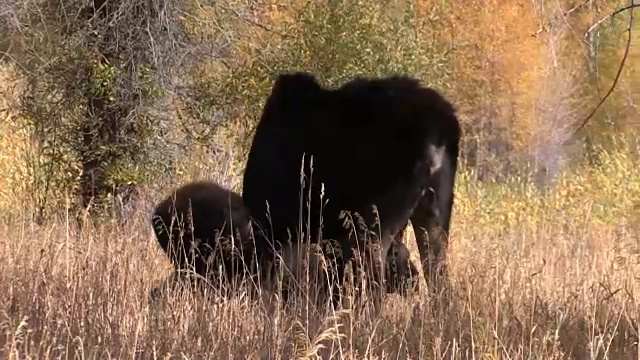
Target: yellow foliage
14,144
608,195
495,60
510,66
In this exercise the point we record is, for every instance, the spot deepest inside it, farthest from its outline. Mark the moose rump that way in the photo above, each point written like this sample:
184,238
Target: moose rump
202,227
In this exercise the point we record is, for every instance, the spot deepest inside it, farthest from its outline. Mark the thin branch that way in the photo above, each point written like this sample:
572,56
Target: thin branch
597,24
622,62
564,15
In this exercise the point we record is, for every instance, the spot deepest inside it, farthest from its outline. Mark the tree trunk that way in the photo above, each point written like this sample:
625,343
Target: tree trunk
106,117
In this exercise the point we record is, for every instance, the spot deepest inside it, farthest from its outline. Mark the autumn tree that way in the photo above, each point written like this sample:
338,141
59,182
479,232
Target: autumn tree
101,81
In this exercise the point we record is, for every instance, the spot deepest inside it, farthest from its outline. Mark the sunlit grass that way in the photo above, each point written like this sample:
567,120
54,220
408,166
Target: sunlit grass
537,274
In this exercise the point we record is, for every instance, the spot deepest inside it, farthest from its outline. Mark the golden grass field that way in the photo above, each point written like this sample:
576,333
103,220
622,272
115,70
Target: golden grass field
536,276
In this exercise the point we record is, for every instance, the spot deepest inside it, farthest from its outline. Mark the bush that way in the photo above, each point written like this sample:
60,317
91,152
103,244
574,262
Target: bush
336,41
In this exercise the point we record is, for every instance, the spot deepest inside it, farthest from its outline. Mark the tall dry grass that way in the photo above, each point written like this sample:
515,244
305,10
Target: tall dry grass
543,274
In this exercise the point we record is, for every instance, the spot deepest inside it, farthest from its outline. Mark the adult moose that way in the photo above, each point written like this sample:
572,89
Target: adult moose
384,148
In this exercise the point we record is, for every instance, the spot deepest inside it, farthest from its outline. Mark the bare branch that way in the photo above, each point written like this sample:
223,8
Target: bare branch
563,15
597,24
622,62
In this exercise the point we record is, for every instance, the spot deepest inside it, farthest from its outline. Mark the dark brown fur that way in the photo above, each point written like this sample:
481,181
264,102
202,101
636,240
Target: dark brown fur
386,142
194,228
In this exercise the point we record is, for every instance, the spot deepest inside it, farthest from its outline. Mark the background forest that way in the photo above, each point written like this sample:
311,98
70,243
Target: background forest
107,105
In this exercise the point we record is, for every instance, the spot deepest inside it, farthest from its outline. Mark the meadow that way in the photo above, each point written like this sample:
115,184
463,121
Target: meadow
545,264
537,274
